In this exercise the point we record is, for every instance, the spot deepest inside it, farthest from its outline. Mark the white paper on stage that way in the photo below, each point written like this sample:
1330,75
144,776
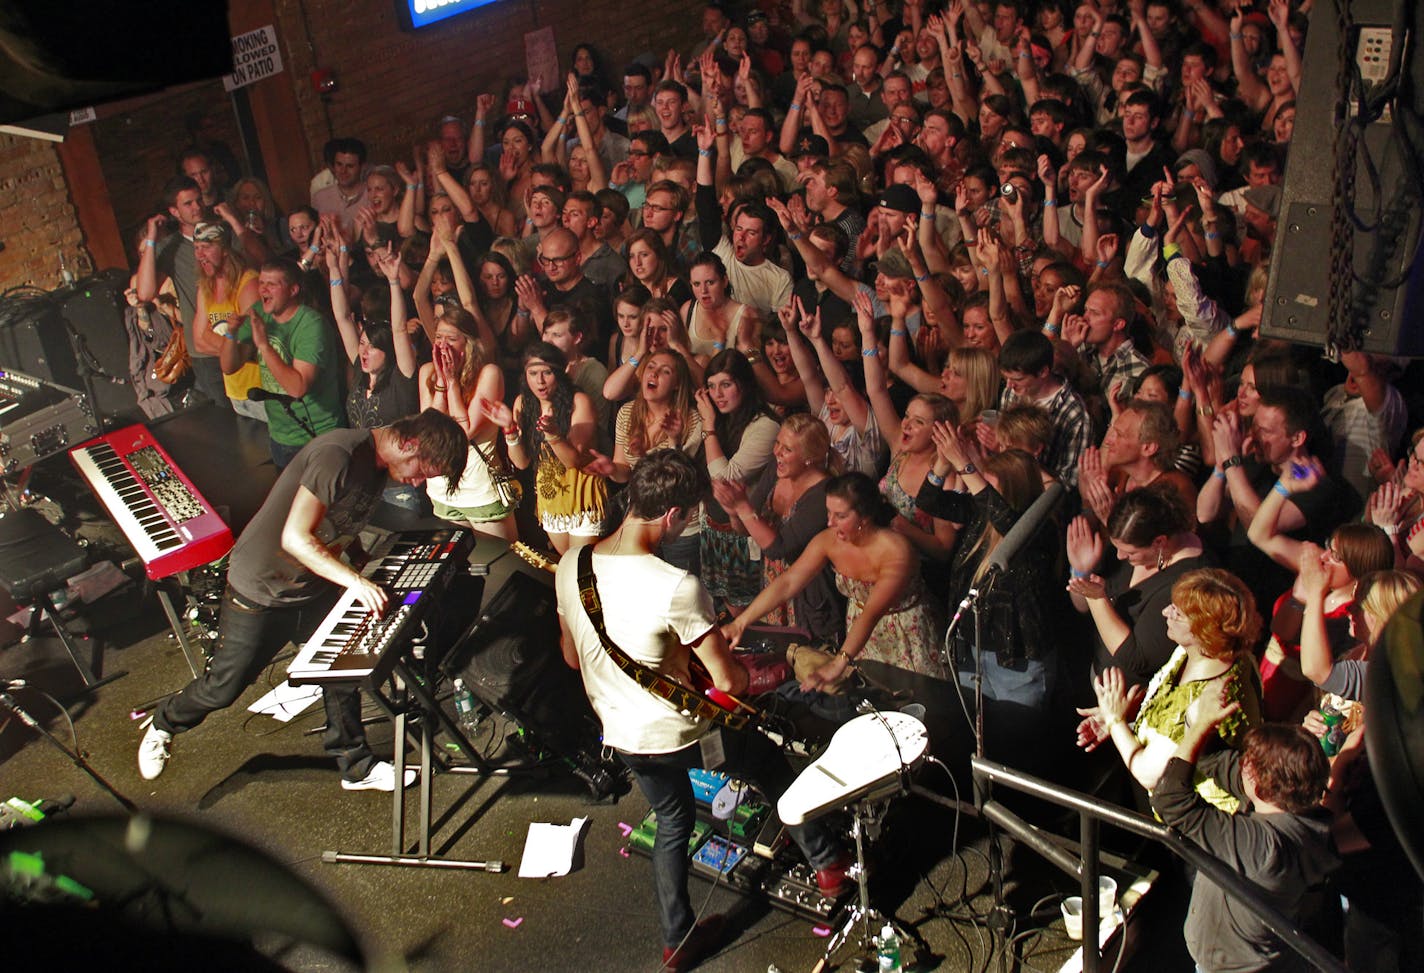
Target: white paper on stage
550,849
286,701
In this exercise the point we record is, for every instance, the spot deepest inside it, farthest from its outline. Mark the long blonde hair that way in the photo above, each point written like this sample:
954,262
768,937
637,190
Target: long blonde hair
1019,485
475,356
980,368
681,405
815,441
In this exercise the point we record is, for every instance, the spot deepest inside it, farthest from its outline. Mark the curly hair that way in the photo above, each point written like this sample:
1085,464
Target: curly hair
562,399
682,402
1221,611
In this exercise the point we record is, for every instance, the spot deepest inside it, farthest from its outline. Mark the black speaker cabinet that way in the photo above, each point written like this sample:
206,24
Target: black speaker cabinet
95,310
39,335
1387,298
510,659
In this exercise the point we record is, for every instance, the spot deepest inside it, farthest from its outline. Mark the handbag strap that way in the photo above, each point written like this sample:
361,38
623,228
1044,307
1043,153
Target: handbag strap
683,699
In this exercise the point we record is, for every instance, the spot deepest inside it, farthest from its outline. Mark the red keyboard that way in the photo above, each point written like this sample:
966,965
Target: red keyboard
159,510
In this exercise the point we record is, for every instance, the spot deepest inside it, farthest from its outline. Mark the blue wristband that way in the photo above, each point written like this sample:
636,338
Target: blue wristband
869,352
632,360
1280,487
898,331
1077,574
1218,474
934,479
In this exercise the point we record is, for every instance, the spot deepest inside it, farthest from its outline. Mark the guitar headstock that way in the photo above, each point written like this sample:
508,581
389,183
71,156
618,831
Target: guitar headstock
533,558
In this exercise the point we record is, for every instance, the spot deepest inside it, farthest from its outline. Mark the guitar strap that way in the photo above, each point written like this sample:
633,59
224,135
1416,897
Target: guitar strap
685,700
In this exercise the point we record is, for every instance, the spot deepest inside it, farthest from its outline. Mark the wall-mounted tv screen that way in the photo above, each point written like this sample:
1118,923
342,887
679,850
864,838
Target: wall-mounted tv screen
415,14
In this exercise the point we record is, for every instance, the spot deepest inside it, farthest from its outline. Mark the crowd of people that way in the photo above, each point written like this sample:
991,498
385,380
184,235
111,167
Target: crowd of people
886,272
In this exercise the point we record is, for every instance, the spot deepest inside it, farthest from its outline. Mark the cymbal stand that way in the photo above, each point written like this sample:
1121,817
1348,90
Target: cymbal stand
863,921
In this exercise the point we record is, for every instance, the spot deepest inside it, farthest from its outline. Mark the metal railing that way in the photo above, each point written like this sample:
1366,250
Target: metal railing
1091,813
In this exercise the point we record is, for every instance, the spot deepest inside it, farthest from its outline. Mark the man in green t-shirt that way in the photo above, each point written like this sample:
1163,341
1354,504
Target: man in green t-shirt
293,347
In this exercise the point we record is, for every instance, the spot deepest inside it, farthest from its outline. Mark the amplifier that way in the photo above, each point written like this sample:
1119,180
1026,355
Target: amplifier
39,419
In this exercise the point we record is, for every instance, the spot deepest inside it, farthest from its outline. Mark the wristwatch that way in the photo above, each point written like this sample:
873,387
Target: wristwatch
1231,461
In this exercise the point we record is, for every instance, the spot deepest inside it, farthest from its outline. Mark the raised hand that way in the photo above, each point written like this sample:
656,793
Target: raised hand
1314,575
1381,467
706,409
484,104
496,412
1226,435
1304,476
1107,248
1085,546
1075,330
599,465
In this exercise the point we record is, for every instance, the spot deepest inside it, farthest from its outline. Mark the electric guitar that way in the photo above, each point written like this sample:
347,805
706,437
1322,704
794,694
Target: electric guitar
702,700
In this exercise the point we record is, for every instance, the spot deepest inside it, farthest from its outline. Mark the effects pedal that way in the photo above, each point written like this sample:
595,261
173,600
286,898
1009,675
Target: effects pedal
794,890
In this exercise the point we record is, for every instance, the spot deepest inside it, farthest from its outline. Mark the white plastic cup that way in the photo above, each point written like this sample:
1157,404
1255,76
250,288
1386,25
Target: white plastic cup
1107,897
1073,916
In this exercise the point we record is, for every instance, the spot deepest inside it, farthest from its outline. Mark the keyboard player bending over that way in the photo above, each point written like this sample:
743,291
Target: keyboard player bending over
286,573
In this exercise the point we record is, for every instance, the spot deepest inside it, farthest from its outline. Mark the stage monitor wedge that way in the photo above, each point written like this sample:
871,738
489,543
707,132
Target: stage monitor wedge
1387,299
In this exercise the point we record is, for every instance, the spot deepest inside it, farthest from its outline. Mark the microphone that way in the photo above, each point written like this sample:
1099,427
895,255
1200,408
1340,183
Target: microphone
1025,528
259,394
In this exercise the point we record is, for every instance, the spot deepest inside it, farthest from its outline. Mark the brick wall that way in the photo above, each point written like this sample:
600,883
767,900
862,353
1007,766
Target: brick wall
37,219
139,143
394,86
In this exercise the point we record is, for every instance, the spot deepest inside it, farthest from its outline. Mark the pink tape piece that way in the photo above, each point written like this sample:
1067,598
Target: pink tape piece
623,852
821,930
513,923
625,827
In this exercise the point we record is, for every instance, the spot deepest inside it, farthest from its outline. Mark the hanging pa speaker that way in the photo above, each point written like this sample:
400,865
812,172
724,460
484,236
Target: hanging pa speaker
1386,297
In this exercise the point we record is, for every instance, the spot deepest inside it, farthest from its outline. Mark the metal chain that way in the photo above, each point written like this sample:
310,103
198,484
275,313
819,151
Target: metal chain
1344,325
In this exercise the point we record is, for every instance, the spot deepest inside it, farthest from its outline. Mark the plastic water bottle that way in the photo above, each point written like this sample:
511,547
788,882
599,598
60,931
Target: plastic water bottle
887,951
466,710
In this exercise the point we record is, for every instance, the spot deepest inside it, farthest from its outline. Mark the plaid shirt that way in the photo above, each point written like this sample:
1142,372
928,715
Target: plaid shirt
1072,430
1125,364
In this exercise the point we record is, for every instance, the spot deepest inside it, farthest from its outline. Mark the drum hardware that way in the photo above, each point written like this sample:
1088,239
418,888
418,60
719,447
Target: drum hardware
867,764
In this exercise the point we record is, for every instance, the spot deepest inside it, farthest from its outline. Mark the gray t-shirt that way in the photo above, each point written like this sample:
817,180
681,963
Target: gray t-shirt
339,468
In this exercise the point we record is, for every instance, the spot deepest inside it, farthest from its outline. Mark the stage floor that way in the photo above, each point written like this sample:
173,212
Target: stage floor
269,784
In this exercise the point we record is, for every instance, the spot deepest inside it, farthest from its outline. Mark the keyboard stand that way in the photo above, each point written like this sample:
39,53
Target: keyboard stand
411,694
166,589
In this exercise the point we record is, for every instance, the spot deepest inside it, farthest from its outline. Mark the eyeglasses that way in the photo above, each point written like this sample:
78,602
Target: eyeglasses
654,207
549,261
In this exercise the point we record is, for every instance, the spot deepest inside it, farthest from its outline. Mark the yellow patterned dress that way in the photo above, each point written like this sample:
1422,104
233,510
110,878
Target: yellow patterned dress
567,500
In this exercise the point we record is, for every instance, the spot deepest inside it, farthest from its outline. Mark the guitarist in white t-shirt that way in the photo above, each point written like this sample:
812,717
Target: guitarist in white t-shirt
660,616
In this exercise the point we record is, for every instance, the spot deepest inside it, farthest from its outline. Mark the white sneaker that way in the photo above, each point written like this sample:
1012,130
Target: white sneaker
153,751
381,777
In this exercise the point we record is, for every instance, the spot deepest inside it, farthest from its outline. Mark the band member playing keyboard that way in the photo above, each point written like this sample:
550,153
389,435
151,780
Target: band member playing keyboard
286,573
658,615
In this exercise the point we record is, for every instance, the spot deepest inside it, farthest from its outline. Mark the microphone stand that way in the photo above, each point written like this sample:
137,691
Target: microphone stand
75,757
286,402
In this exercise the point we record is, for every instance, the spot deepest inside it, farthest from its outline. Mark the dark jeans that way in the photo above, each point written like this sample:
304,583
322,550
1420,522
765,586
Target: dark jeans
249,637
663,781
208,379
282,454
